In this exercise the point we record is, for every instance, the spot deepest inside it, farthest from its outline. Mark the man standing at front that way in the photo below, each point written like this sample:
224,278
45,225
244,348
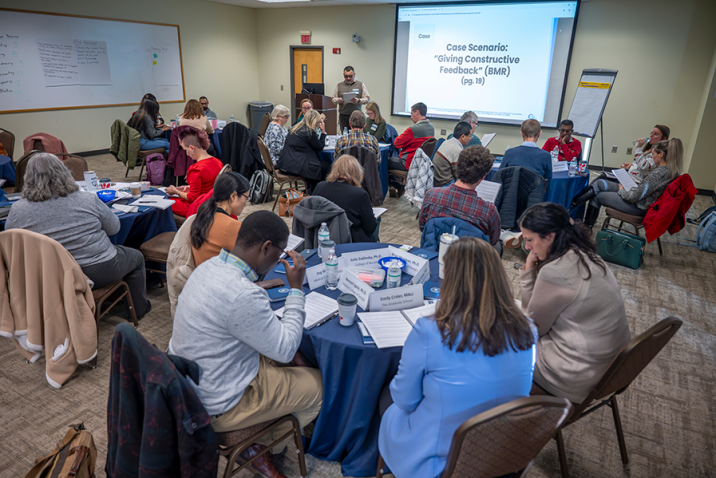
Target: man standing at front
567,146
225,324
349,85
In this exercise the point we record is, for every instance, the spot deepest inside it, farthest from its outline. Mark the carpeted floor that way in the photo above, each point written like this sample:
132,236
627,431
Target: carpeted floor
668,413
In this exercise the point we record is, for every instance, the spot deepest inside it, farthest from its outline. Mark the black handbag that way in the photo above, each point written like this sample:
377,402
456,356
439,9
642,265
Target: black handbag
621,248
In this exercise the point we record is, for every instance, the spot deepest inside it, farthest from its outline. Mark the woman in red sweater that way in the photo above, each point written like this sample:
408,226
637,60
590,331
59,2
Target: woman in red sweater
200,176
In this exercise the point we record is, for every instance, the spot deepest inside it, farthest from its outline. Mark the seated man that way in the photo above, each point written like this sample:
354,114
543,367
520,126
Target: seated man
567,146
445,159
412,138
460,199
528,154
204,101
357,137
470,118
225,324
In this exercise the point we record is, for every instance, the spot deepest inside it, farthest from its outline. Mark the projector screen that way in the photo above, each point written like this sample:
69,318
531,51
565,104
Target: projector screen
507,62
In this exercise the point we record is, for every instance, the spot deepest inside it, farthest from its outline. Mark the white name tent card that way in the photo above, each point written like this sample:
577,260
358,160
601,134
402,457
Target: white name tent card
351,284
624,178
316,275
488,190
423,274
397,298
413,263
364,258
560,166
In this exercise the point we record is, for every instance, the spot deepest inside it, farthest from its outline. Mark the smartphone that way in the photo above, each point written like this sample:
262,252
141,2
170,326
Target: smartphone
308,253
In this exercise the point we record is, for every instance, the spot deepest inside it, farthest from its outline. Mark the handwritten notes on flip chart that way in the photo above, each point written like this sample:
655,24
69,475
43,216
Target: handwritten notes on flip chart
67,62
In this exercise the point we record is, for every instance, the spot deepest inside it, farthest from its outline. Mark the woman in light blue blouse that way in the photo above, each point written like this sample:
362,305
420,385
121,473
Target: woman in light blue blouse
476,353
276,133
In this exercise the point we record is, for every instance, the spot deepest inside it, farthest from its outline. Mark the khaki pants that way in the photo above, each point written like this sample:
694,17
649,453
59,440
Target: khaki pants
275,392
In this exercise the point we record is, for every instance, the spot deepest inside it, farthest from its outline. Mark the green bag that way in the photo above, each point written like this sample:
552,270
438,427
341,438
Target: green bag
621,248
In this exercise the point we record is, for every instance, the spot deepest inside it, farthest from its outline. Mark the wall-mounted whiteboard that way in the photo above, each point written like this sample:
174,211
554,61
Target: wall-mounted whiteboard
55,61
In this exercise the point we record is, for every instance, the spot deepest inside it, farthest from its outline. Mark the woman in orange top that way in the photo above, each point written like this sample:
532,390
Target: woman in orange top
201,175
213,227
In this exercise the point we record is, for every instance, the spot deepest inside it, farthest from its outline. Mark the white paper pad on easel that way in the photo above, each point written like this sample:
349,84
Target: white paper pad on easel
488,191
487,138
624,178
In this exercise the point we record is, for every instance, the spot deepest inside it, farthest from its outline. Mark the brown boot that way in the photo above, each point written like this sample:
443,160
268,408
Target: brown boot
264,465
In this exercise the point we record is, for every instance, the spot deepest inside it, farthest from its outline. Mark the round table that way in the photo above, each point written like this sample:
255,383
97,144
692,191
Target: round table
353,374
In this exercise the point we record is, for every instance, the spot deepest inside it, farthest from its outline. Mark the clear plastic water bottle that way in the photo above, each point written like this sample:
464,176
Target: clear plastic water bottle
555,154
323,235
394,274
345,131
332,274
583,166
231,118
573,167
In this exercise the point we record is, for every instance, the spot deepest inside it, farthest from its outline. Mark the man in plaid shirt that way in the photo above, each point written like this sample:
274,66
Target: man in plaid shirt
460,200
357,137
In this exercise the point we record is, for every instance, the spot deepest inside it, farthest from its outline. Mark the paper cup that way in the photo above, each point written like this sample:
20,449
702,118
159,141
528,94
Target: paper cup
347,309
136,190
144,186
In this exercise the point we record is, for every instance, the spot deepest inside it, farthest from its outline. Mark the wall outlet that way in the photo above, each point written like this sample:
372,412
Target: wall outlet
629,151
443,132
281,87
614,149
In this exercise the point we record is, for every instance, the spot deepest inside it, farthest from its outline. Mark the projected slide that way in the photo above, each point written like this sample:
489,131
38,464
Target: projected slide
505,62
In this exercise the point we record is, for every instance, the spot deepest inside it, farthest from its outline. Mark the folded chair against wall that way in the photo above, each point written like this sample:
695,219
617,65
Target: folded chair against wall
503,441
624,369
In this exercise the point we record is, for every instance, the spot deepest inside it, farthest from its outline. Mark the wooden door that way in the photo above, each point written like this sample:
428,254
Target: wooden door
307,67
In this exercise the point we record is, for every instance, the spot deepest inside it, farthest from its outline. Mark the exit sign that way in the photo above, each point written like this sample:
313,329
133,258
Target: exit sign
305,39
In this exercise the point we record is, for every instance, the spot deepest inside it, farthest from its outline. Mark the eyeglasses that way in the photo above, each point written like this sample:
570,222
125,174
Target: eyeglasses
348,77
565,130
279,247
245,195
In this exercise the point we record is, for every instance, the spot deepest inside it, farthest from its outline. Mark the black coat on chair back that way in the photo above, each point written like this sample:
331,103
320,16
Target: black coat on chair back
240,149
521,189
300,154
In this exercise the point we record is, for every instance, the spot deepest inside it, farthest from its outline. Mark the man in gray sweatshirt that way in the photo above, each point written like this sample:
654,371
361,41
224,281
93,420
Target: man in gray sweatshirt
224,323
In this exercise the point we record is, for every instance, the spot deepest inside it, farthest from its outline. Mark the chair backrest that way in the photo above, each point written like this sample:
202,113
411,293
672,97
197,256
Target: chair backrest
20,168
633,358
265,121
428,146
505,439
8,141
437,146
435,227
521,189
266,155
371,176
76,164
38,146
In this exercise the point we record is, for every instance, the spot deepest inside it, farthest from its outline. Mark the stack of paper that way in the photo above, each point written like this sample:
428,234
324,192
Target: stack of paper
319,309
488,191
624,178
379,211
153,201
388,329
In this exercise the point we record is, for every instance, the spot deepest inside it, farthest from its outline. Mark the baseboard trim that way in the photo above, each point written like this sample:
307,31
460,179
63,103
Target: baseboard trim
96,152
707,192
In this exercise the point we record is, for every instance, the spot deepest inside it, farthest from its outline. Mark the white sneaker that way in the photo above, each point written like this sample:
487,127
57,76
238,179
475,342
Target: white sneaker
513,240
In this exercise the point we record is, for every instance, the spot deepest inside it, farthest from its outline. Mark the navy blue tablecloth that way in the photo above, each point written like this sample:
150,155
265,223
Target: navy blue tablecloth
327,156
148,222
7,170
562,189
353,377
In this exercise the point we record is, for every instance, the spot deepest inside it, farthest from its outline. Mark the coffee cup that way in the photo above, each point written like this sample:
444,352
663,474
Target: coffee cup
136,190
105,183
347,309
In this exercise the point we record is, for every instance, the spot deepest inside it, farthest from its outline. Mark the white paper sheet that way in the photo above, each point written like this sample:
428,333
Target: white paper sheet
414,314
159,202
347,97
59,61
487,138
318,308
388,329
488,191
93,63
624,178
379,211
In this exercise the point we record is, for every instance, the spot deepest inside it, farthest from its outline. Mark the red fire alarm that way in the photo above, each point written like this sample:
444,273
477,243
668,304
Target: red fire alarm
306,37
336,51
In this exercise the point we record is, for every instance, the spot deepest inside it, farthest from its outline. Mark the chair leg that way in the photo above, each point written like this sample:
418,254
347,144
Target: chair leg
127,172
280,188
620,432
381,465
562,454
606,223
130,307
299,447
658,241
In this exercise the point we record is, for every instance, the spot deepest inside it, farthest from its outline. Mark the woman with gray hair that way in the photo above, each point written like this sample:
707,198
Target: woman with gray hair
53,205
471,118
276,133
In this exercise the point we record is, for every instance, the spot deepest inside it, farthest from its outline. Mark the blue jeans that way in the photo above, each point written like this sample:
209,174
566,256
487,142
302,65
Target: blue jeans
155,143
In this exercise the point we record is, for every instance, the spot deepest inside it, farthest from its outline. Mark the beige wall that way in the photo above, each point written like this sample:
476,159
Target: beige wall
703,163
218,53
610,34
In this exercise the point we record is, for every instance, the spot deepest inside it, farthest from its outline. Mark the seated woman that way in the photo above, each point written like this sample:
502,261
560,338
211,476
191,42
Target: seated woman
343,188
276,133
302,147
375,124
146,121
194,116
306,106
53,205
668,157
574,300
476,353
200,176
213,227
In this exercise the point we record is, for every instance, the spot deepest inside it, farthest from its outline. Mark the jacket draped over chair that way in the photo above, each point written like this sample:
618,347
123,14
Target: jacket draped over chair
125,143
521,189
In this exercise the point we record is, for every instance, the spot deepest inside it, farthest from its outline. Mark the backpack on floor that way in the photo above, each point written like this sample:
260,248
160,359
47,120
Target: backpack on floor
261,181
75,455
156,165
706,234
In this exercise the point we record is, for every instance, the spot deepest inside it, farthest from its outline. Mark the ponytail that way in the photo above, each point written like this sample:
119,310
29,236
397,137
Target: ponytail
675,157
225,185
